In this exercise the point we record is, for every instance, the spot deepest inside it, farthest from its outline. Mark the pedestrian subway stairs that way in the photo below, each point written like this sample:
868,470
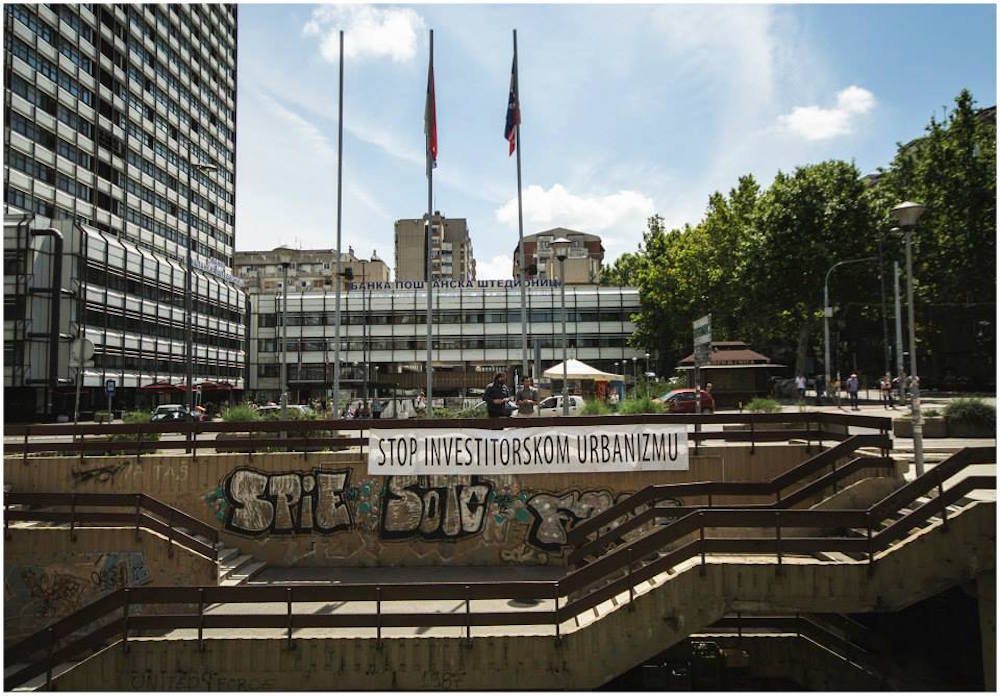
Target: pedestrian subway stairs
615,610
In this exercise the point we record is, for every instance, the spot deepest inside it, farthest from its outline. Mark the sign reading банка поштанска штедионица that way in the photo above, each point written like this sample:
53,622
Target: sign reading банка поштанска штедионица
466,451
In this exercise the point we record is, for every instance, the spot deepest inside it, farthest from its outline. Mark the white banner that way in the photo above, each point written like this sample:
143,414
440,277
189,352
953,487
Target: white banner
467,451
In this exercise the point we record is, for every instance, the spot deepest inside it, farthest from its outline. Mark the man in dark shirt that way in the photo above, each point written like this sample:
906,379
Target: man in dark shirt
496,397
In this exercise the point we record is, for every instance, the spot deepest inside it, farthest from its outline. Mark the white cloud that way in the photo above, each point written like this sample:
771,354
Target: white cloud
369,32
817,123
618,217
500,267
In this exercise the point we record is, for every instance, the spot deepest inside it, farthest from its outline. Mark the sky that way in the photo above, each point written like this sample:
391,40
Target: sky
627,110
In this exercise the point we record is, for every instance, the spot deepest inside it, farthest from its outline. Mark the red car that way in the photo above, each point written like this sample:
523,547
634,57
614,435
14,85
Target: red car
683,401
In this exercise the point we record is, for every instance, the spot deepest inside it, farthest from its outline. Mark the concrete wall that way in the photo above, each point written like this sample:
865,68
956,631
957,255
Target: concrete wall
587,657
323,509
47,575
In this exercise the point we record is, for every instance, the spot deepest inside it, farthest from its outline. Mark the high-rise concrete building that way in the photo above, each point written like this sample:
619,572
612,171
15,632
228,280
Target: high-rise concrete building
121,137
583,264
308,269
451,249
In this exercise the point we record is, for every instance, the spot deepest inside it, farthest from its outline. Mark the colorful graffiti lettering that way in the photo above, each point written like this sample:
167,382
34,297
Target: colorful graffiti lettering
117,570
290,503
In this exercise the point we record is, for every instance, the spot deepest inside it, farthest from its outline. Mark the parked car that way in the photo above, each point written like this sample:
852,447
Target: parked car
683,401
553,406
175,412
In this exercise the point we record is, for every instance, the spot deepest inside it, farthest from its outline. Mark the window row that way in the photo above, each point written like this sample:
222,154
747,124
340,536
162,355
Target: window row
115,361
447,316
294,347
156,292
45,32
97,319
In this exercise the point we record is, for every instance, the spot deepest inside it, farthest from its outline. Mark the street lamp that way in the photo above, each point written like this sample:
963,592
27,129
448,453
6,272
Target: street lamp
188,319
283,376
907,213
560,249
828,312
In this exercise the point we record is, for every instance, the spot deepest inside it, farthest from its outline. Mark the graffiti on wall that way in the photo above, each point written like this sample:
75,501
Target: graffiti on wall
525,525
258,503
434,508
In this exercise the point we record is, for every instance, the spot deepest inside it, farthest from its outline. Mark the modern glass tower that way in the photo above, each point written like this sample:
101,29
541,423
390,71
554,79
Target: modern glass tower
120,135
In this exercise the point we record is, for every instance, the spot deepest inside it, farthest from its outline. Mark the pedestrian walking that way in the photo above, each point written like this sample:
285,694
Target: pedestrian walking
820,387
376,409
496,396
885,386
800,384
852,391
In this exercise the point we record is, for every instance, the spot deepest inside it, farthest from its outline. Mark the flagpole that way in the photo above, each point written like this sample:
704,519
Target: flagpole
430,205
520,227
340,161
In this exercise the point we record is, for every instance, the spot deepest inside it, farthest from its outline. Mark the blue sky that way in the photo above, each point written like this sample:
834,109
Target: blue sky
627,110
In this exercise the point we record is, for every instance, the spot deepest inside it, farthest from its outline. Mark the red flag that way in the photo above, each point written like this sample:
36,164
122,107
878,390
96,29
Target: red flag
513,110
430,121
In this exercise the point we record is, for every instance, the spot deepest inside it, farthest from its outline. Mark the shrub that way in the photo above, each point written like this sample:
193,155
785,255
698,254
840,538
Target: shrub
596,407
641,405
241,413
970,417
134,417
105,416
759,405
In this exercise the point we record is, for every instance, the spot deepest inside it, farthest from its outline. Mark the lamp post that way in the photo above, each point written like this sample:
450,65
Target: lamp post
188,319
635,376
828,312
907,213
285,263
899,326
560,249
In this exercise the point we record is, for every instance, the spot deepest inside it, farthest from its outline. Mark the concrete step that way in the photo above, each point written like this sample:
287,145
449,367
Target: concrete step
226,553
227,568
243,573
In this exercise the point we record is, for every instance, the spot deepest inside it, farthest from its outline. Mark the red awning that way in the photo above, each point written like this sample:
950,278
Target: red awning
217,386
163,388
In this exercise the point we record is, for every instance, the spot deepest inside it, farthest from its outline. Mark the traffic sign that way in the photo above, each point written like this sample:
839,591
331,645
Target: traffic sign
702,340
109,387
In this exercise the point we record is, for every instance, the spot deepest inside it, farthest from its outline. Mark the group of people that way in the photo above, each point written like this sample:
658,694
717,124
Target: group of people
888,387
500,402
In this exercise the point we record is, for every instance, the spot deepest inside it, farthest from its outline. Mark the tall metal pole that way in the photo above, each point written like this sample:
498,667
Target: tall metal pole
828,312
188,320
885,312
430,276
520,227
284,340
918,426
899,332
340,162
562,291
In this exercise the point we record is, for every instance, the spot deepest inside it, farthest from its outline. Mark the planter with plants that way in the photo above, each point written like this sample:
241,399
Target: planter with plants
970,417
933,422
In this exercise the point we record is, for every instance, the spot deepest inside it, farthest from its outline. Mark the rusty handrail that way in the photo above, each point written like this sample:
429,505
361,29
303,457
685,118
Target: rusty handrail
575,581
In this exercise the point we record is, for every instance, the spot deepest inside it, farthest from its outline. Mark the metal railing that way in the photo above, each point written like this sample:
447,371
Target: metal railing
141,511
649,496
299,435
625,567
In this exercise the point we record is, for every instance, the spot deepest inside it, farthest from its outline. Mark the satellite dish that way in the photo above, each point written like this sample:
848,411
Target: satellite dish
81,353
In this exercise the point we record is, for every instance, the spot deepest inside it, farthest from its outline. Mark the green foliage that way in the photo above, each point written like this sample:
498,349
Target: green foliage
105,416
134,418
758,258
760,405
641,405
596,407
241,413
971,412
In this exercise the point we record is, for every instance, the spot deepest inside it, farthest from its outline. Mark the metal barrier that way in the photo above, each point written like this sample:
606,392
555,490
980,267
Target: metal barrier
143,512
299,435
620,567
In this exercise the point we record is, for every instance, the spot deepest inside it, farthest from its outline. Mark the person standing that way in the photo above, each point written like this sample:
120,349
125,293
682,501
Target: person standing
527,398
376,409
800,384
496,397
820,386
852,391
